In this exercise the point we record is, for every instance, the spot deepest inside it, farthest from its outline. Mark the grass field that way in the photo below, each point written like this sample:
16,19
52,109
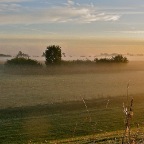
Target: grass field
69,121
46,106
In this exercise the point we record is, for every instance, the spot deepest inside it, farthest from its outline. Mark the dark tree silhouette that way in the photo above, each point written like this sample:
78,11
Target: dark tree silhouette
21,61
119,59
53,55
43,55
115,59
22,55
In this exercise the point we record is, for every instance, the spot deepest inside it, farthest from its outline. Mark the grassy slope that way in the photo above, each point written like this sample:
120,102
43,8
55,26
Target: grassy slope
69,121
32,117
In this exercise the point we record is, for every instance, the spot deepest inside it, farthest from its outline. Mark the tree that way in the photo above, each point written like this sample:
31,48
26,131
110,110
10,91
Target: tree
119,59
22,55
43,55
115,59
53,55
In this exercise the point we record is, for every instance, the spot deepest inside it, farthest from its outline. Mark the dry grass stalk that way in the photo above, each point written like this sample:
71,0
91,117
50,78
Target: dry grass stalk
89,116
127,138
75,129
128,111
107,104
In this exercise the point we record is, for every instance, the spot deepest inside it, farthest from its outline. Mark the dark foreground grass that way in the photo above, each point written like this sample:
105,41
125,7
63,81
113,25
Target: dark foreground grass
68,122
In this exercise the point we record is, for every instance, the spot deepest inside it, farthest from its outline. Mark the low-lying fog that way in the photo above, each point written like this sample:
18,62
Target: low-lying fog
104,81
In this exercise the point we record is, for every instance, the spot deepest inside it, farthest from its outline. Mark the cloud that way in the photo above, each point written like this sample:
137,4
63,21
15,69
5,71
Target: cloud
11,1
72,13
9,7
59,15
26,27
133,32
122,10
128,12
128,31
70,2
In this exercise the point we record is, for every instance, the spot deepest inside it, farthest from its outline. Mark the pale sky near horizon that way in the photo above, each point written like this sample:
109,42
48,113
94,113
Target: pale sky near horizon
78,26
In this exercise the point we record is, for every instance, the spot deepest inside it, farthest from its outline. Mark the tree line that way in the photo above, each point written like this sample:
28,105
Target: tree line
53,56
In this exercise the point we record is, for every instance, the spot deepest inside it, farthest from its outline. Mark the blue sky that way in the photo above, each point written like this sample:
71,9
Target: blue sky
72,19
84,18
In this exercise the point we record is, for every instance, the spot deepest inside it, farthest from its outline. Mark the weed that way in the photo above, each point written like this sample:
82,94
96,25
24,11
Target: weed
128,111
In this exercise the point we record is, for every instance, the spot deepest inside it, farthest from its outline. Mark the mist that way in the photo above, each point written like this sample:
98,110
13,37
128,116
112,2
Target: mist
74,47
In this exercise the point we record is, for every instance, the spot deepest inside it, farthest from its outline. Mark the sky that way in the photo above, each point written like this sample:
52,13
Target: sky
80,27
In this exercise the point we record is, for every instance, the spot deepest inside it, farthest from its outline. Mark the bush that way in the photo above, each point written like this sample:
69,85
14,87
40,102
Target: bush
119,59
115,59
23,62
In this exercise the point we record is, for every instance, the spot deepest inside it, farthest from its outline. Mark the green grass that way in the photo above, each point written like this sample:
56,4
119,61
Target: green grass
66,121
47,107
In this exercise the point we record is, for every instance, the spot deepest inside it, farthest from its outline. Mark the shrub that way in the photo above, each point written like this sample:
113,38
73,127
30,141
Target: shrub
23,62
119,59
115,59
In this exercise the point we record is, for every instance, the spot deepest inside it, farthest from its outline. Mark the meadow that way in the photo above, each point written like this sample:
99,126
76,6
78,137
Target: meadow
46,105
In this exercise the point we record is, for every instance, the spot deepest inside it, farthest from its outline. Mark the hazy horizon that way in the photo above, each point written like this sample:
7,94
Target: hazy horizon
74,47
80,27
